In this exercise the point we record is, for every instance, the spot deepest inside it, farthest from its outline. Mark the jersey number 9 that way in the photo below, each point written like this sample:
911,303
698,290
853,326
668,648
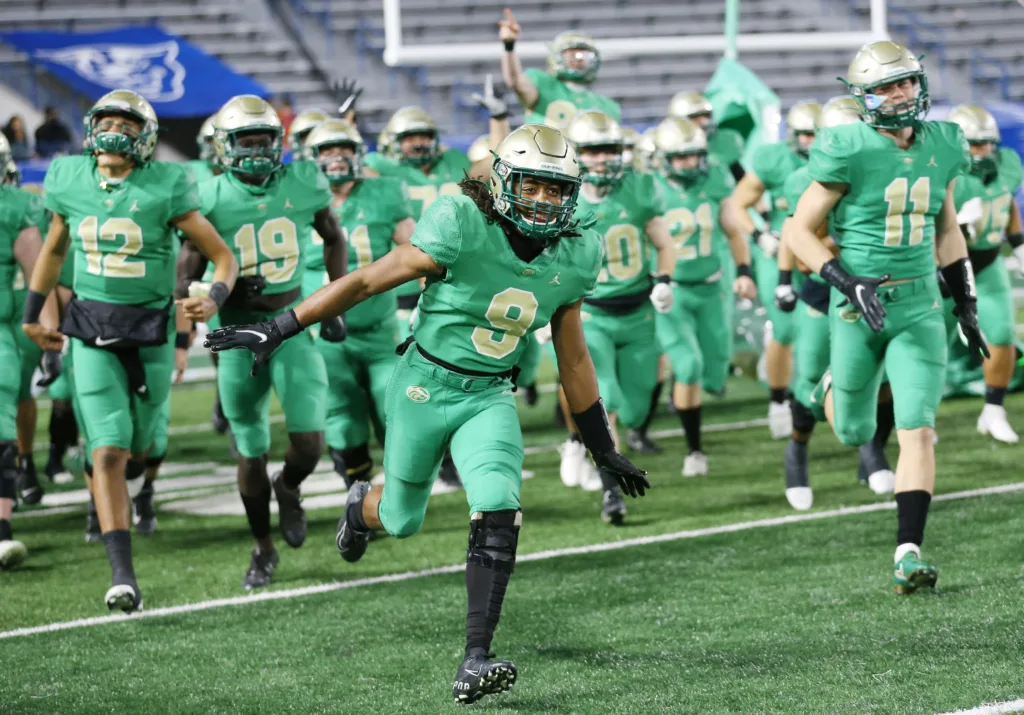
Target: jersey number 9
273,251
511,313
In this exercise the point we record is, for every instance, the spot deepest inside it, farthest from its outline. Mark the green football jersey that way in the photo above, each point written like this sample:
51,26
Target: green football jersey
19,209
996,199
443,179
477,315
201,170
773,163
558,103
123,243
268,227
692,217
621,221
794,187
885,223
369,216
725,146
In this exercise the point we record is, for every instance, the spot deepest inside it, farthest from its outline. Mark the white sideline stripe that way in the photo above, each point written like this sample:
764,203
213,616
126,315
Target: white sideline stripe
1014,706
455,568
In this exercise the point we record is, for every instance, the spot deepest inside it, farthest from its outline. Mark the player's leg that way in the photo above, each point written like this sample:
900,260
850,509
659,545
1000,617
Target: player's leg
12,552
677,334
873,468
996,317
29,487
63,424
812,360
145,510
341,384
575,468
778,356
712,333
217,418
378,365
299,378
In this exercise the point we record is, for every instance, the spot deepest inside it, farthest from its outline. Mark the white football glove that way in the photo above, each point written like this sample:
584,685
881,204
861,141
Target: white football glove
785,298
662,298
414,315
1018,255
769,243
543,334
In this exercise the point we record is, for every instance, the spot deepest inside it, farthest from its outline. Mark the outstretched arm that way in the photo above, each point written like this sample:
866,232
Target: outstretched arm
335,245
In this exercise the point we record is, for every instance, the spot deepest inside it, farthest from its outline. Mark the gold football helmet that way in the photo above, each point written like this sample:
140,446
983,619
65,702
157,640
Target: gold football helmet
643,153
126,103
11,175
840,110
879,64
801,119
979,128
480,149
5,150
204,140
301,126
413,120
539,152
630,137
585,61
336,132
247,114
695,106
681,137
594,129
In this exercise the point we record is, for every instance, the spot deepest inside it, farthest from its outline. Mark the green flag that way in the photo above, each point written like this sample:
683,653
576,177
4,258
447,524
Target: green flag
742,102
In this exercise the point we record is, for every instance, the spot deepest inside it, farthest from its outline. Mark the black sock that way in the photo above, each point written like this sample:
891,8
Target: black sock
292,475
777,394
119,553
690,417
490,559
655,398
358,463
257,511
575,437
994,395
912,513
5,530
885,420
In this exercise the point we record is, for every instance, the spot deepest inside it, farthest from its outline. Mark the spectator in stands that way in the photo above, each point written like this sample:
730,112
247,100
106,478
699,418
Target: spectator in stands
15,132
285,111
53,136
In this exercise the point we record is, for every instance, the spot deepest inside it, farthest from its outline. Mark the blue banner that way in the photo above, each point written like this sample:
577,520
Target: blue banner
178,78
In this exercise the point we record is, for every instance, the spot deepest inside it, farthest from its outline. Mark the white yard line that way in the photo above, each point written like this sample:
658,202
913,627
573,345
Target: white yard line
536,556
1014,706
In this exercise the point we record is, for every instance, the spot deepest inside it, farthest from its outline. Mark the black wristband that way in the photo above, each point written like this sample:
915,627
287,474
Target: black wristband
662,278
288,324
500,117
219,293
510,45
594,429
833,274
181,341
785,278
34,302
1016,240
744,270
960,278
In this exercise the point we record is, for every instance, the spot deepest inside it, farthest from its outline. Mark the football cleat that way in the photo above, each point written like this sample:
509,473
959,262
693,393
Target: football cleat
478,676
798,483
873,469
125,597
992,421
291,516
261,569
780,420
911,573
145,511
93,533
12,553
639,442
695,465
613,507
29,488
352,542
573,453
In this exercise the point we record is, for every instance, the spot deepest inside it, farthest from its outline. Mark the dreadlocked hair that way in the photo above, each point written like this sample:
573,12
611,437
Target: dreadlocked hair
480,193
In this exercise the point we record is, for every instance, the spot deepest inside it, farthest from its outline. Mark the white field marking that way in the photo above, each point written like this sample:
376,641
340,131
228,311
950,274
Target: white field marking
1014,706
456,568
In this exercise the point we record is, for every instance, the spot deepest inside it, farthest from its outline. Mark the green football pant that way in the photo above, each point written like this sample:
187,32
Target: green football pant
912,349
625,352
116,417
297,375
995,304
812,349
60,389
358,372
695,335
430,409
30,355
10,379
728,279
529,361
159,447
766,275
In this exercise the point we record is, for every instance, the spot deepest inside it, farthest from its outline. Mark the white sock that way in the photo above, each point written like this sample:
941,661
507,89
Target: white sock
903,549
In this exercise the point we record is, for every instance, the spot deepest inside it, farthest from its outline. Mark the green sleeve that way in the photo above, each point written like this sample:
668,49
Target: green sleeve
794,188
53,184
35,215
592,267
402,204
1010,167
544,84
208,195
766,165
721,182
439,231
652,196
829,162
379,163
960,149
317,188
966,189
184,192
612,108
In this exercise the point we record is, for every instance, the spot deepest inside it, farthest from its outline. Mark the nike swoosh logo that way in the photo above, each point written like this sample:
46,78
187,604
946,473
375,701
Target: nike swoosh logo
474,673
859,290
100,342
261,336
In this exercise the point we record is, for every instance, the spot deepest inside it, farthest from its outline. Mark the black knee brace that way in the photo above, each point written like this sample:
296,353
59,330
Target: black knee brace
8,469
155,462
803,418
134,469
357,463
493,538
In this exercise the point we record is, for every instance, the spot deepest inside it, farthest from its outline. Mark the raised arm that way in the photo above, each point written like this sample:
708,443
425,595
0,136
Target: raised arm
511,68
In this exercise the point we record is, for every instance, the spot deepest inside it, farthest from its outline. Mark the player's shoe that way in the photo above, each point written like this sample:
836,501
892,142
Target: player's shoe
780,420
873,469
29,488
695,464
573,455
55,469
145,511
261,569
641,443
478,676
448,474
217,418
798,480
290,514
12,553
352,542
93,533
613,507
911,573
124,596
992,421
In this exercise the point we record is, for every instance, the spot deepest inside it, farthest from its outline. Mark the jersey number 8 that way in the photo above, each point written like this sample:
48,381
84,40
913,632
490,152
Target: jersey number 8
511,313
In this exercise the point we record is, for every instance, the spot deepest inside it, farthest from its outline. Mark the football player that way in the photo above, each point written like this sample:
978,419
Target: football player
618,317
267,211
725,146
205,167
771,165
377,216
500,261
554,97
303,123
988,213
120,210
694,334
886,186
64,428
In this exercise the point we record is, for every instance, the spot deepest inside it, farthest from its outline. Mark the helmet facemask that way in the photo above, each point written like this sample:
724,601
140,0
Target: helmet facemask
326,159
540,220
686,175
253,153
613,169
118,131
985,167
577,63
882,115
424,153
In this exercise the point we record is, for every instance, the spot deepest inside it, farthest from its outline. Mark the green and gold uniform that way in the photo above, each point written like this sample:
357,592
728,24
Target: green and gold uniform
725,146
558,102
269,229
123,246
885,223
358,369
695,334
473,319
201,170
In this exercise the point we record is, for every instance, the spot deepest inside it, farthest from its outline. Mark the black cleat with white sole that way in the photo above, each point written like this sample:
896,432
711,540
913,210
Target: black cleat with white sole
641,443
28,481
261,569
479,676
291,516
145,511
352,542
613,507
124,597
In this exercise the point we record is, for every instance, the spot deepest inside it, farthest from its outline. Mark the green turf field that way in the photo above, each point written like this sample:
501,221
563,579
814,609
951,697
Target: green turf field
779,617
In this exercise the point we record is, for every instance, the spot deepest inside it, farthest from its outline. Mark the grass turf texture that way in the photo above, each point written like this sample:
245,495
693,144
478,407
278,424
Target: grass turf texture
787,619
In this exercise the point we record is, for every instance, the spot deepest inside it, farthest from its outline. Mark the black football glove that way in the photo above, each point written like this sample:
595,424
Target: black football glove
250,286
346,93
970,332
631,478
860,292
260,338
333,330
959,277
50,366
